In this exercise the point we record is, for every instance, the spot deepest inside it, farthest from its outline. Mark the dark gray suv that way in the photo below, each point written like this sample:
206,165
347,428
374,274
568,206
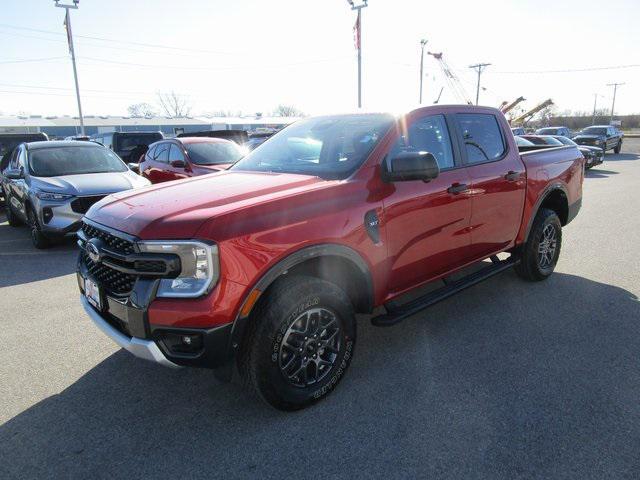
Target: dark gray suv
51,185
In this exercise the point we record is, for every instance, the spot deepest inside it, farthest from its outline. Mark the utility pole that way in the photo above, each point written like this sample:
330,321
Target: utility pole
595,103
67,24
358,38
613,104
423,42
479,67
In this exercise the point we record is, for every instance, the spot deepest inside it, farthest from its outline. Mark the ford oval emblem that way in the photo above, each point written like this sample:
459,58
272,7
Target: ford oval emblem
93,250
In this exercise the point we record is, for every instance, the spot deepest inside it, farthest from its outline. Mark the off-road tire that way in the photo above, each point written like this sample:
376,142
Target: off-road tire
39,240
531,267
282,309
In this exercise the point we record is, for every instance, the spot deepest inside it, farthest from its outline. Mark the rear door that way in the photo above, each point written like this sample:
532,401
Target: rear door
157,170
427,223
498,182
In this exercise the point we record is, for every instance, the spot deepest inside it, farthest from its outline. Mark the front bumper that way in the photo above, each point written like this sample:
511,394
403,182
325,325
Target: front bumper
125,319
146,349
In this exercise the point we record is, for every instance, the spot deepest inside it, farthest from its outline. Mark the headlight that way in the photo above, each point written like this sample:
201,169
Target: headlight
199,262
56,197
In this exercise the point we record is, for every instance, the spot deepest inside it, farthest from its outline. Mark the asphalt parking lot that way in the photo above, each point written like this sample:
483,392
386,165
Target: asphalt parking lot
506,380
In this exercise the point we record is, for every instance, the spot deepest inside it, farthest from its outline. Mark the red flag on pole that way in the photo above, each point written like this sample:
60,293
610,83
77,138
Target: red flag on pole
67,27
356,33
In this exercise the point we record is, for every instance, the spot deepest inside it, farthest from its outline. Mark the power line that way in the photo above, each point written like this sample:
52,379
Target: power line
571,70
28,60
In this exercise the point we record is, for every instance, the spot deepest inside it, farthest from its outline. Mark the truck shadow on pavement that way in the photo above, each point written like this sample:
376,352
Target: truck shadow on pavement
505,378
599,173
22,263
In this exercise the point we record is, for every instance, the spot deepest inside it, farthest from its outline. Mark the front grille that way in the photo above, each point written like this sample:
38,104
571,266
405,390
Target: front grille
113,281
119,245
83,204
150,266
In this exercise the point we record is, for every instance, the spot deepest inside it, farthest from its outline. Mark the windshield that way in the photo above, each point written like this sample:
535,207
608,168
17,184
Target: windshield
547,131
129,142
58,161
331,147
595,131
565,140
213,153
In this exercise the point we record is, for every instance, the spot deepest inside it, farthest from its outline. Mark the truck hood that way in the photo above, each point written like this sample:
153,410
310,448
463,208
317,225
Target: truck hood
177,209
90,183
588,137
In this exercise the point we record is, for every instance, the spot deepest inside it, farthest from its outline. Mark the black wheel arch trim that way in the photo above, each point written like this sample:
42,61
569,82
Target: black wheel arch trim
296,258
545,193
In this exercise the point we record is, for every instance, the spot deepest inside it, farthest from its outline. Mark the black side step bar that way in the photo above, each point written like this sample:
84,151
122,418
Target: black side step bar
395,314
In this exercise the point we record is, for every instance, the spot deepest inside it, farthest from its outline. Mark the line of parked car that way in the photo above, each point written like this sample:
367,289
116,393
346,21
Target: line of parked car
593,142
49,184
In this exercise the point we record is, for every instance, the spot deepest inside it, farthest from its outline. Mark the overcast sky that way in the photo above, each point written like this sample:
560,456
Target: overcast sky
252,55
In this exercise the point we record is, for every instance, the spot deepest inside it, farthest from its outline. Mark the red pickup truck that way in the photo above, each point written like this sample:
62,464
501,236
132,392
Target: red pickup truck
266,264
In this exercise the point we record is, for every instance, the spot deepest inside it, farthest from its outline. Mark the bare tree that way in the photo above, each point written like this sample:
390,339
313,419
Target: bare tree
287,111
141,110
174,105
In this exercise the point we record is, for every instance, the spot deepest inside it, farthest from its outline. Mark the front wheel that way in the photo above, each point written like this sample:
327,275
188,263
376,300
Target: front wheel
38,238
300,342
541,251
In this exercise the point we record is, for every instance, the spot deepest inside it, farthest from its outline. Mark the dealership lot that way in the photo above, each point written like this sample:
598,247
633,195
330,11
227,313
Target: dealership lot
507,379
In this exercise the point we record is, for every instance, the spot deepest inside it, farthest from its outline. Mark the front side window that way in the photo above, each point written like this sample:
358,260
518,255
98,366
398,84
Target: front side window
175,154
213,153
427,134
330,147
482,137
58,161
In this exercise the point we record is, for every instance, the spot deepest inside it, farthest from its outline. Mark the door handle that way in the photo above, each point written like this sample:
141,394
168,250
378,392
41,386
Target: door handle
512,176
458,188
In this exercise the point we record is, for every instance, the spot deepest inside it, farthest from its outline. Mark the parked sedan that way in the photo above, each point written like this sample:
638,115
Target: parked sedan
605,137
51,185
593,156
188,157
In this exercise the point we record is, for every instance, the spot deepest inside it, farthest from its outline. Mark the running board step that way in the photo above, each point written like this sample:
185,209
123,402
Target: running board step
395,314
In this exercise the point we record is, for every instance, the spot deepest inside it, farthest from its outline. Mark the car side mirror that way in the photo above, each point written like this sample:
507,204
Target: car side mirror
134,167
407,166
14,173
178,163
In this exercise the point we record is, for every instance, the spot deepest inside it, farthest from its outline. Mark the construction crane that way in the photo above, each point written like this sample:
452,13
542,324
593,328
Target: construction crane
525,117
452,80
504,108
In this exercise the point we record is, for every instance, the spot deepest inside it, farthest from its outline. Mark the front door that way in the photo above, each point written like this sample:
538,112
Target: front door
498,182
427,223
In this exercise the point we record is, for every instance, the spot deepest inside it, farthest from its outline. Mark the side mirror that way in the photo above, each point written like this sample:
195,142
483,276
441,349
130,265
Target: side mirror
14,173
178,163
408,166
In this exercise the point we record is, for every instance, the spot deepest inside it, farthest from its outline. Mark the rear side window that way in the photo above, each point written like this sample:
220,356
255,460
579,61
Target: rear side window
151,152
175,154
482,137
161,153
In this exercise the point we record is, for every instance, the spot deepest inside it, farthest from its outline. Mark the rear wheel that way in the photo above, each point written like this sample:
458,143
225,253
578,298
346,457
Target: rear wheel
300,342
38,238
618,147
540,253
12,218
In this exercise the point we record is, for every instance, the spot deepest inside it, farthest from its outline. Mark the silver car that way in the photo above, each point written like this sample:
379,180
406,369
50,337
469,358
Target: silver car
51,185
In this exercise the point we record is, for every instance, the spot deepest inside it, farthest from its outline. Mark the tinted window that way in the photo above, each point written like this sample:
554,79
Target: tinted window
209,153
175,153
131,141
548,131
595,131
150,152
162,153
330,147
427,134
482,137
57,161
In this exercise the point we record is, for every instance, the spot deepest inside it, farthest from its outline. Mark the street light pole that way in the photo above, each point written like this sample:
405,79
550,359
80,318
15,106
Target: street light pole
67,24
423,42
613,104
479,67
358,33
595,102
